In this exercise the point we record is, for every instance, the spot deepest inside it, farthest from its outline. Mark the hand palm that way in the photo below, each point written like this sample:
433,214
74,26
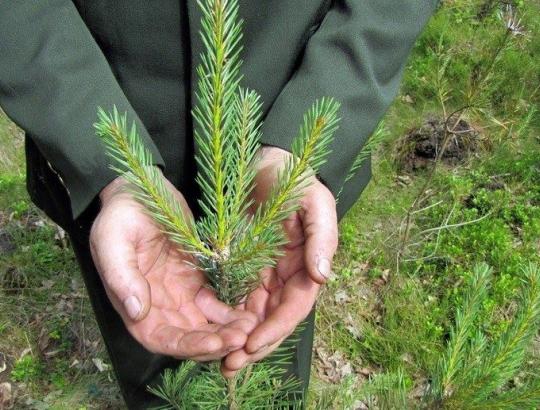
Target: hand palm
289,278
179,317
174,285
289,290
284,299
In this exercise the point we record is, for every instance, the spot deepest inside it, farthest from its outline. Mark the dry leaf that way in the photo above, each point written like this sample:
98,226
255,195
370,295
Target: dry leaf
332,368
366,371
407,358
353,330
407,99
346,370
40,223
385,275
44,340
3,362
100,364
341,296
352,327
360,405
404,180
52,353
60,234
420,389
5,394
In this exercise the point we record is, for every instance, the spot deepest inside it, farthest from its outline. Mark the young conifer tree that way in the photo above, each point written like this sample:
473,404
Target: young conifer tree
230,243
475,370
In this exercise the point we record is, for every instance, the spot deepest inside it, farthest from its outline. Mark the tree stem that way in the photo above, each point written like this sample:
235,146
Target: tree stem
231,386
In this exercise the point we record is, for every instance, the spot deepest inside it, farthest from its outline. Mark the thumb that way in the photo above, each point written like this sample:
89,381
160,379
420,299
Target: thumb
319,219
127,288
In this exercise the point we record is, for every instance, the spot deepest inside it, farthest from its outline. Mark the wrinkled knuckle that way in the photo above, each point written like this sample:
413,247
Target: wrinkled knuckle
171,346
306,202
178,345
320,195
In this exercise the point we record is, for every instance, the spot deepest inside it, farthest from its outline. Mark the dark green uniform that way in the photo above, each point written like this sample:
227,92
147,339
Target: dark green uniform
61,59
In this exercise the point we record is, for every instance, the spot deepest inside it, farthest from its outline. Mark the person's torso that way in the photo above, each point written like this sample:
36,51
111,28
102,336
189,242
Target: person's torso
153,47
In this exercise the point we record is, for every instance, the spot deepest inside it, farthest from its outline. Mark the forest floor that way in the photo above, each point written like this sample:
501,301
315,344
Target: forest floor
408,247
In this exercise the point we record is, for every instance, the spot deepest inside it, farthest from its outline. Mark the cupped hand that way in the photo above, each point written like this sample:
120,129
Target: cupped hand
289,291
158,293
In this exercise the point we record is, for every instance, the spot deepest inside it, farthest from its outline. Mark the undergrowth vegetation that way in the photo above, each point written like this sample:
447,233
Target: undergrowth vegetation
434,303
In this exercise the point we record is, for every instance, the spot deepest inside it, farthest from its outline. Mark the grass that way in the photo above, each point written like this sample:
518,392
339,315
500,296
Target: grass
49,340
11,141
396,323
387,318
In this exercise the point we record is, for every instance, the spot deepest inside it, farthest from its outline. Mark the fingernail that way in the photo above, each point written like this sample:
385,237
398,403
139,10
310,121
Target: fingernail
133,307
324,267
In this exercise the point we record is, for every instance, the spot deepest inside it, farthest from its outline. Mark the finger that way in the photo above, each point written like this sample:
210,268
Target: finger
236,324
281,323
269,279
274,300
218,312
239,359
227,373
176,342
319,219
256,303
233,339
257,299
117,264
297,299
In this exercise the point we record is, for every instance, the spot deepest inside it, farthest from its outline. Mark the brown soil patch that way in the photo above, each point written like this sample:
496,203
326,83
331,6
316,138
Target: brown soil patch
419,148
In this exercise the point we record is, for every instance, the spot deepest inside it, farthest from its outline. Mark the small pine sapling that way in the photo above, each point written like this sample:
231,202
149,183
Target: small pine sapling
230,242
476,373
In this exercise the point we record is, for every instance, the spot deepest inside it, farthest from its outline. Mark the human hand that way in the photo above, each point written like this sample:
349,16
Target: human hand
157,292
289,290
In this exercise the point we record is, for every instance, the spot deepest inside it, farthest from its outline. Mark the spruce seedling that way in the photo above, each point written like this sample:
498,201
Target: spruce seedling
231,244
474,372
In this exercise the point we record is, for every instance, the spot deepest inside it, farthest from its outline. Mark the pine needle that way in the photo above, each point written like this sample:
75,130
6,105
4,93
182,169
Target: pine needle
474,372
230,245
367,150
215,115
451,363
135,163
503,359
310,149
387,391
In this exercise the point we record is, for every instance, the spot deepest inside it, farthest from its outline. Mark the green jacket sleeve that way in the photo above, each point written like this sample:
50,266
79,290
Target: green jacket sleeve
53,77
357,55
